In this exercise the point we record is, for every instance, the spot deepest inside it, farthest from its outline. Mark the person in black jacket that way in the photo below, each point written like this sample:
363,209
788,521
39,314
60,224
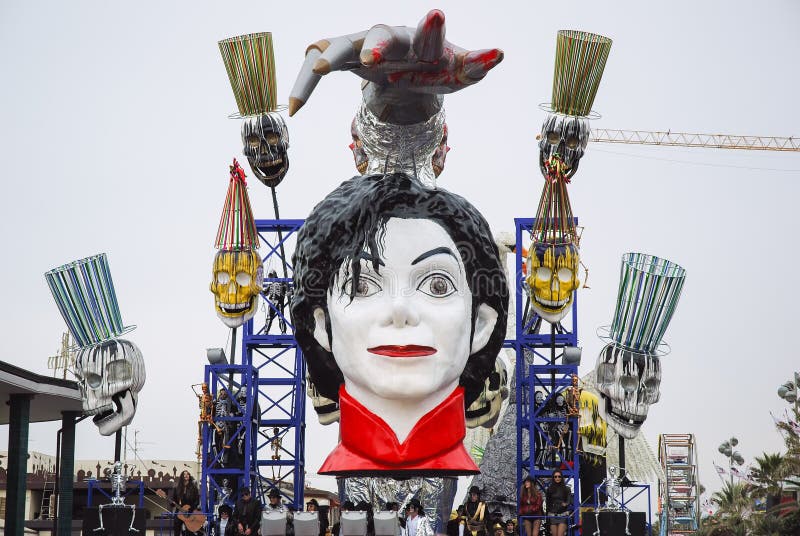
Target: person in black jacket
558,499
224,526
185,493
247,514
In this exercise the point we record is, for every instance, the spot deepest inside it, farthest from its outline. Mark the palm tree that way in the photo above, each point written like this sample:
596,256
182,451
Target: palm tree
769,475
734,508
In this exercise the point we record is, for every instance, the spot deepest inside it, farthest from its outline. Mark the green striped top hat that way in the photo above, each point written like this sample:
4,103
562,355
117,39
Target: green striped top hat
237,227
649,290
85,296
250,63
580,60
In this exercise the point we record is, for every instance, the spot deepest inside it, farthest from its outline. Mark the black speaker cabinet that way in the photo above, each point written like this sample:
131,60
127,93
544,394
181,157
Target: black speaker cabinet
613,523
116,522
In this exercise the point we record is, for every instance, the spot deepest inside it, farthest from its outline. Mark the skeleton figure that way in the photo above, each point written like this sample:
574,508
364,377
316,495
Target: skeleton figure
110,376
266,143
573,398
277,292
629,383
222,437
118,485
563,137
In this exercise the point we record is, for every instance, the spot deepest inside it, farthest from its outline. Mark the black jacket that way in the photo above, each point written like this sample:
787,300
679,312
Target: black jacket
248,513
558,499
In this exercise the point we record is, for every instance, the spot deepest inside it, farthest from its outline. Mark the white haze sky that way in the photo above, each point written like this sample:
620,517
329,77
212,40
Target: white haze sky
115,138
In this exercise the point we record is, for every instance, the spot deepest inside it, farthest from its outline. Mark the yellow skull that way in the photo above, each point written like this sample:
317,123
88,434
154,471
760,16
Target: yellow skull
553,279
236,285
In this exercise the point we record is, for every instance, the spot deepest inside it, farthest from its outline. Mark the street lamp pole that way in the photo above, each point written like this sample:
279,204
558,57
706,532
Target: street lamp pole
788,392
726,449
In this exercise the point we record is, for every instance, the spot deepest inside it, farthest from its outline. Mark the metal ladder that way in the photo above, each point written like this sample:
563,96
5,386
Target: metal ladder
48,496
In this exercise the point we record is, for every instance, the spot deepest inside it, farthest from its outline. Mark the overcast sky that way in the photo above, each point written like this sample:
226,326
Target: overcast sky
115,138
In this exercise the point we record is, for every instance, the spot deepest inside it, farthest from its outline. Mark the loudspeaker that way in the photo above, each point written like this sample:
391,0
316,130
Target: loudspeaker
116,521
613,523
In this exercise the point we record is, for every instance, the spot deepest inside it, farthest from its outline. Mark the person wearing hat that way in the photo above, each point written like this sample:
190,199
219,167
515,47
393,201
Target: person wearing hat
475,511
247,514
497,530
416,522
224,526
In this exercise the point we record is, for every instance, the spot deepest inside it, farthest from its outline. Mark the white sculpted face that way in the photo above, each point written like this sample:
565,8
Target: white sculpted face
406,333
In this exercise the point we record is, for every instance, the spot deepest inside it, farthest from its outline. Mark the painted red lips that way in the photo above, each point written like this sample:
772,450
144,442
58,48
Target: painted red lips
411,350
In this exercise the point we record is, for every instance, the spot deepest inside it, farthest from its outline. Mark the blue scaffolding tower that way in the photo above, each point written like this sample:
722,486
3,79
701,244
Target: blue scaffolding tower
540,369
270,424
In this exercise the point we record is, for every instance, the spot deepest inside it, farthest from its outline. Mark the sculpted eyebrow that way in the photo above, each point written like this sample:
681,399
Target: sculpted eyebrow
434,251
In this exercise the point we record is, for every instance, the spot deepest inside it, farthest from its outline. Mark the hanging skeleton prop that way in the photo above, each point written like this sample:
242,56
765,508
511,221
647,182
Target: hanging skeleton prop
554,258
237,273
110,370
250,64
628,370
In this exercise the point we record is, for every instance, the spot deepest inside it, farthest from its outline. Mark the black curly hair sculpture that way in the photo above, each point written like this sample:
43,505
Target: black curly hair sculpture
352,219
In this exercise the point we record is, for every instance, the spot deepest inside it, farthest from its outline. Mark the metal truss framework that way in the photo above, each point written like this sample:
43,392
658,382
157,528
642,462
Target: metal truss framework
679,497
540,369
685,139
271,425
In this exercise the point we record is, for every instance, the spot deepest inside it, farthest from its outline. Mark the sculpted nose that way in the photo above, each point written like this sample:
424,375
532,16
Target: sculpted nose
403,313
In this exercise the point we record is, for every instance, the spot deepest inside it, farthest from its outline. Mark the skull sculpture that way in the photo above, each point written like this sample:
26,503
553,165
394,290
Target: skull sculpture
236,285
485,411
327,409
565,137
110,375
552,279
629,383
266,143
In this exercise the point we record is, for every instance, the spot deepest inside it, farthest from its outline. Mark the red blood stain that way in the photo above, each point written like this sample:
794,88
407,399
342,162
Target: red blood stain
434,20
488,58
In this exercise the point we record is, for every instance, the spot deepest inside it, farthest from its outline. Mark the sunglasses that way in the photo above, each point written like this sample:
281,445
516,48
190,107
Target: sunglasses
557,476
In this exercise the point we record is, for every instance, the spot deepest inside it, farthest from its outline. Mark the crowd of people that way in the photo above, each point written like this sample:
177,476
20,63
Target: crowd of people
470,519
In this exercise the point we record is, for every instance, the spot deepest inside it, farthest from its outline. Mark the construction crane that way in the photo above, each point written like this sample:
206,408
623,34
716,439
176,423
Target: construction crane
685,139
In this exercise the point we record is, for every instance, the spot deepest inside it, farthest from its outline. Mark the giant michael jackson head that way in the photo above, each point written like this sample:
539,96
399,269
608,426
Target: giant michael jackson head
400,309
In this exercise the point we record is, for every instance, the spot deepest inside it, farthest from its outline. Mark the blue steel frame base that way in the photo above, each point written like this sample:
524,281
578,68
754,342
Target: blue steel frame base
601,488
273,374
539,368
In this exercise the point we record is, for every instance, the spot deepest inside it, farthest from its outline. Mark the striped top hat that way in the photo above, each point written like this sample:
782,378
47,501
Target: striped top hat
237,227
580,61
649,290
85,296
250,63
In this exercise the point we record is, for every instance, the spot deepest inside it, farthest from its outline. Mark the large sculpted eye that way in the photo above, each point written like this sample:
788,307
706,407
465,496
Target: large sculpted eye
253,141
365,287
543,273
553,137
272,138
437,285
223,278
243,279
572,142
564,275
